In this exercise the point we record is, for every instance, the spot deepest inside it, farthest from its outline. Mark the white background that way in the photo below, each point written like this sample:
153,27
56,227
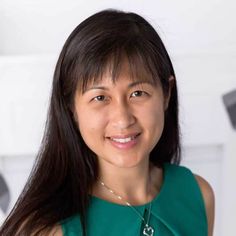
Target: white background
201,39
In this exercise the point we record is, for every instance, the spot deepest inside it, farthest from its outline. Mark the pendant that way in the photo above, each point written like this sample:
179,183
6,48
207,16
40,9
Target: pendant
148,230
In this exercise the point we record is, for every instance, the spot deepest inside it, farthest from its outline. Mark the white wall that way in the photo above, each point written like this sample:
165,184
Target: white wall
186,25
201,38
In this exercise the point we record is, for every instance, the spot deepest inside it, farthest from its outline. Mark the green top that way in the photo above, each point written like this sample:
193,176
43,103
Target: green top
178,210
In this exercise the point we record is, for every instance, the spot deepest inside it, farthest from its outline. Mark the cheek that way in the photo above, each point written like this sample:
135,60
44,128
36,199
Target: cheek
156,126
90,123
153,116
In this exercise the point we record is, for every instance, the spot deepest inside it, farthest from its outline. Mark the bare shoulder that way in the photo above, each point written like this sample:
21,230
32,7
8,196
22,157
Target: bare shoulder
209,200
206,189
56,231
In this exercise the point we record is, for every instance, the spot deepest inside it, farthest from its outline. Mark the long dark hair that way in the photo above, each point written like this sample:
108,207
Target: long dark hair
65,168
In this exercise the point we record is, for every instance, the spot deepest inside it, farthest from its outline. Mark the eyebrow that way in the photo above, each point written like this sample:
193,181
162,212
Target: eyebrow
140,82
129,86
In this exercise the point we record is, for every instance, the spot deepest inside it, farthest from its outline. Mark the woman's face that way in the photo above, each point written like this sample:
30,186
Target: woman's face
121,121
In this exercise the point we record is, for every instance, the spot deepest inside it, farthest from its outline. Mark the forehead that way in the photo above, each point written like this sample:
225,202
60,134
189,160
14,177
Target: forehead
123,70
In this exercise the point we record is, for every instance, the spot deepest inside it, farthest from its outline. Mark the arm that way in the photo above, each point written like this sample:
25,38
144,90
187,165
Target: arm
209,200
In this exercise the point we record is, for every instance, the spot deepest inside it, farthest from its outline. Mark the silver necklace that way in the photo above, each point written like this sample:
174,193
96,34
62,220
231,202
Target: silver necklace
148,230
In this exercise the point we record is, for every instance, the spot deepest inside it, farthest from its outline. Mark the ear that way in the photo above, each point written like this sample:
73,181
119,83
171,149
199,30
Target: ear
168,95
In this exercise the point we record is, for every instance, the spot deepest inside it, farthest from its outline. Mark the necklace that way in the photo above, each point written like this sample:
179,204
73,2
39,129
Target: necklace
148,230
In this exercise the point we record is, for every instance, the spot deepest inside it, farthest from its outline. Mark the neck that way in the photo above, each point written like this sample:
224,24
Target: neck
137,185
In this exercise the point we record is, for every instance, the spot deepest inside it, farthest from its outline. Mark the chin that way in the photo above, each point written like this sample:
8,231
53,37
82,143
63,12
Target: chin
126,162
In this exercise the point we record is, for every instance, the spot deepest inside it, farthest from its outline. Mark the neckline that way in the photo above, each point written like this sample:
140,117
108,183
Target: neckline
156,198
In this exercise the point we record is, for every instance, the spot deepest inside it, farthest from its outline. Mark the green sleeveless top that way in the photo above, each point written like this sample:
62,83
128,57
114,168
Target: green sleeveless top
178,210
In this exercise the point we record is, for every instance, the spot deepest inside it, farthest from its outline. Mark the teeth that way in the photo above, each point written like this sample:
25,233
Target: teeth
122,140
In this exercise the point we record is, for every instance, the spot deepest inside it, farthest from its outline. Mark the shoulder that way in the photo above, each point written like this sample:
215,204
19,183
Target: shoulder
56,231
209,200
207,192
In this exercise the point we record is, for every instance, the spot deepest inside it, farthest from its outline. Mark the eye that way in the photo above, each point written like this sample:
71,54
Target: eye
138,93
100,98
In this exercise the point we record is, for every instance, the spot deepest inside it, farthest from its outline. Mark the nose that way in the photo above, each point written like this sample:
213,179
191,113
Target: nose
122,116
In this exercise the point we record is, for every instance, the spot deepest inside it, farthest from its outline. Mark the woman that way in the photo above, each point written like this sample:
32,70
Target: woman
109,161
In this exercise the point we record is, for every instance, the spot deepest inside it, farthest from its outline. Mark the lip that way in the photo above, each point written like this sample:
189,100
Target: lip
124,145
121,136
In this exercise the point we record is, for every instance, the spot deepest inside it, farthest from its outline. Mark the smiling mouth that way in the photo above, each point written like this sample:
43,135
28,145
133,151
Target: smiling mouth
125,139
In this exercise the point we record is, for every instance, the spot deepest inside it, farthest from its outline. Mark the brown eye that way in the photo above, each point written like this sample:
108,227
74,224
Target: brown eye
138,93
100,98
